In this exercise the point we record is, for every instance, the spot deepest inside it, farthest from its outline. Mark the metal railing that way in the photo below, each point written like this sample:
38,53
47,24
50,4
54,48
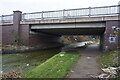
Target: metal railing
6,18
69,13
73,13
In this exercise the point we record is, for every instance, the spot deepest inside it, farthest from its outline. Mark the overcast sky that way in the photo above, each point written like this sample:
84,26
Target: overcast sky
28,6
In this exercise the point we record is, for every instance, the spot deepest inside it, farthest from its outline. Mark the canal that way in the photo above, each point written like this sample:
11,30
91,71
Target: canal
23,62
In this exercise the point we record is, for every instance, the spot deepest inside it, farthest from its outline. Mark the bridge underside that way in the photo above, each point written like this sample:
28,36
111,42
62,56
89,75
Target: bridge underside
71,31
88,28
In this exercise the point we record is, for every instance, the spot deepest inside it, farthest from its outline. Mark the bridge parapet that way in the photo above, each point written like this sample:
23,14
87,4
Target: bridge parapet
85,14
73,13
6,19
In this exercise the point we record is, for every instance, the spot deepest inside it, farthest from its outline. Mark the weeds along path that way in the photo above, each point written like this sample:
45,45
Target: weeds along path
88,65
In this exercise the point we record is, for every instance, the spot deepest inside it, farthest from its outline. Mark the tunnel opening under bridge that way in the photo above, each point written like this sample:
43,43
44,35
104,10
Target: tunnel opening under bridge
80,42
74,35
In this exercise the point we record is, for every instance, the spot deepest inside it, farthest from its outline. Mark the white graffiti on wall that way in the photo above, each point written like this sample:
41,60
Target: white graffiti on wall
114,28
112,39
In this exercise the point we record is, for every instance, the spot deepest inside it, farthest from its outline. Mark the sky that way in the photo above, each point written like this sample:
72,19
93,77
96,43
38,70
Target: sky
28,6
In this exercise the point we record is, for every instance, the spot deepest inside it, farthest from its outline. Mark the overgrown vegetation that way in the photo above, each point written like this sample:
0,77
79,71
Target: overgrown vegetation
110,58
56,67
74,39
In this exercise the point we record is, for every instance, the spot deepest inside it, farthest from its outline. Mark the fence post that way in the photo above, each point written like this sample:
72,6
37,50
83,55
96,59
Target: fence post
89,12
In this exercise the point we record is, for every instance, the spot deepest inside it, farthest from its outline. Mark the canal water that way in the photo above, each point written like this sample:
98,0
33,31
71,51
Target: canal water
23,62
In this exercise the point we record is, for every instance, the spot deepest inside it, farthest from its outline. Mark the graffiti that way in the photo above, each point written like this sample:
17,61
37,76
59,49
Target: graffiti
116,30
112,39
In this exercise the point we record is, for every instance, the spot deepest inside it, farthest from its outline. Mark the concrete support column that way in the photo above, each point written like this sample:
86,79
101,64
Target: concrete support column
16,24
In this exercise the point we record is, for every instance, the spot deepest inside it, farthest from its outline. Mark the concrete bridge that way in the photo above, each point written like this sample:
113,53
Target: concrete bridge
45,28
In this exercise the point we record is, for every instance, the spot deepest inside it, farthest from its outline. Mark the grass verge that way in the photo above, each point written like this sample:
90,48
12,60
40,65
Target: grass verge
110,58
56,67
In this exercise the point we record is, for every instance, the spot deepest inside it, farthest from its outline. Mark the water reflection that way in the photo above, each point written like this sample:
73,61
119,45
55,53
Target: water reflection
76,45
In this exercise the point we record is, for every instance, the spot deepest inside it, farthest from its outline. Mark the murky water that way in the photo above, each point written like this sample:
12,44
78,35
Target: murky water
23,62
75,46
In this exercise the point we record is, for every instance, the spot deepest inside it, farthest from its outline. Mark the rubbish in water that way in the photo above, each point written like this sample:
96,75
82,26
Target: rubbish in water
61,54
27,64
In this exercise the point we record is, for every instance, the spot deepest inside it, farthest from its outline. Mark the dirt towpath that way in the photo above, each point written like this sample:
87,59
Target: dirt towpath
88,64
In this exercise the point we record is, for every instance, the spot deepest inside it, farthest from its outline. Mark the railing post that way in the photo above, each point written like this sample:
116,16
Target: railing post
119,8
63,13
2,19
42,15
89,12
23,18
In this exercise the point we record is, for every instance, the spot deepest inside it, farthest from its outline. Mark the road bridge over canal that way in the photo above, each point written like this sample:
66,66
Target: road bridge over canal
45,28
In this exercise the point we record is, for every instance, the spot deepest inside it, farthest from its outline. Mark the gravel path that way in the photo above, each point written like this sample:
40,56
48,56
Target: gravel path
88,64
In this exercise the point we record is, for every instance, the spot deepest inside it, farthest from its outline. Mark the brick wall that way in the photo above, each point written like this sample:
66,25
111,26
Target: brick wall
110,41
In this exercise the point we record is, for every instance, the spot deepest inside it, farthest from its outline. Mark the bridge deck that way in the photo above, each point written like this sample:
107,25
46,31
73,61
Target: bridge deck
71,20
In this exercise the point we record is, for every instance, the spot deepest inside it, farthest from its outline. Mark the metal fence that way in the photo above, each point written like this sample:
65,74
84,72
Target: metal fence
6,18
73,13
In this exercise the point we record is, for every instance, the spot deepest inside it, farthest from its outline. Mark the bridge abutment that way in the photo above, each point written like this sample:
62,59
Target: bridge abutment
110,38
